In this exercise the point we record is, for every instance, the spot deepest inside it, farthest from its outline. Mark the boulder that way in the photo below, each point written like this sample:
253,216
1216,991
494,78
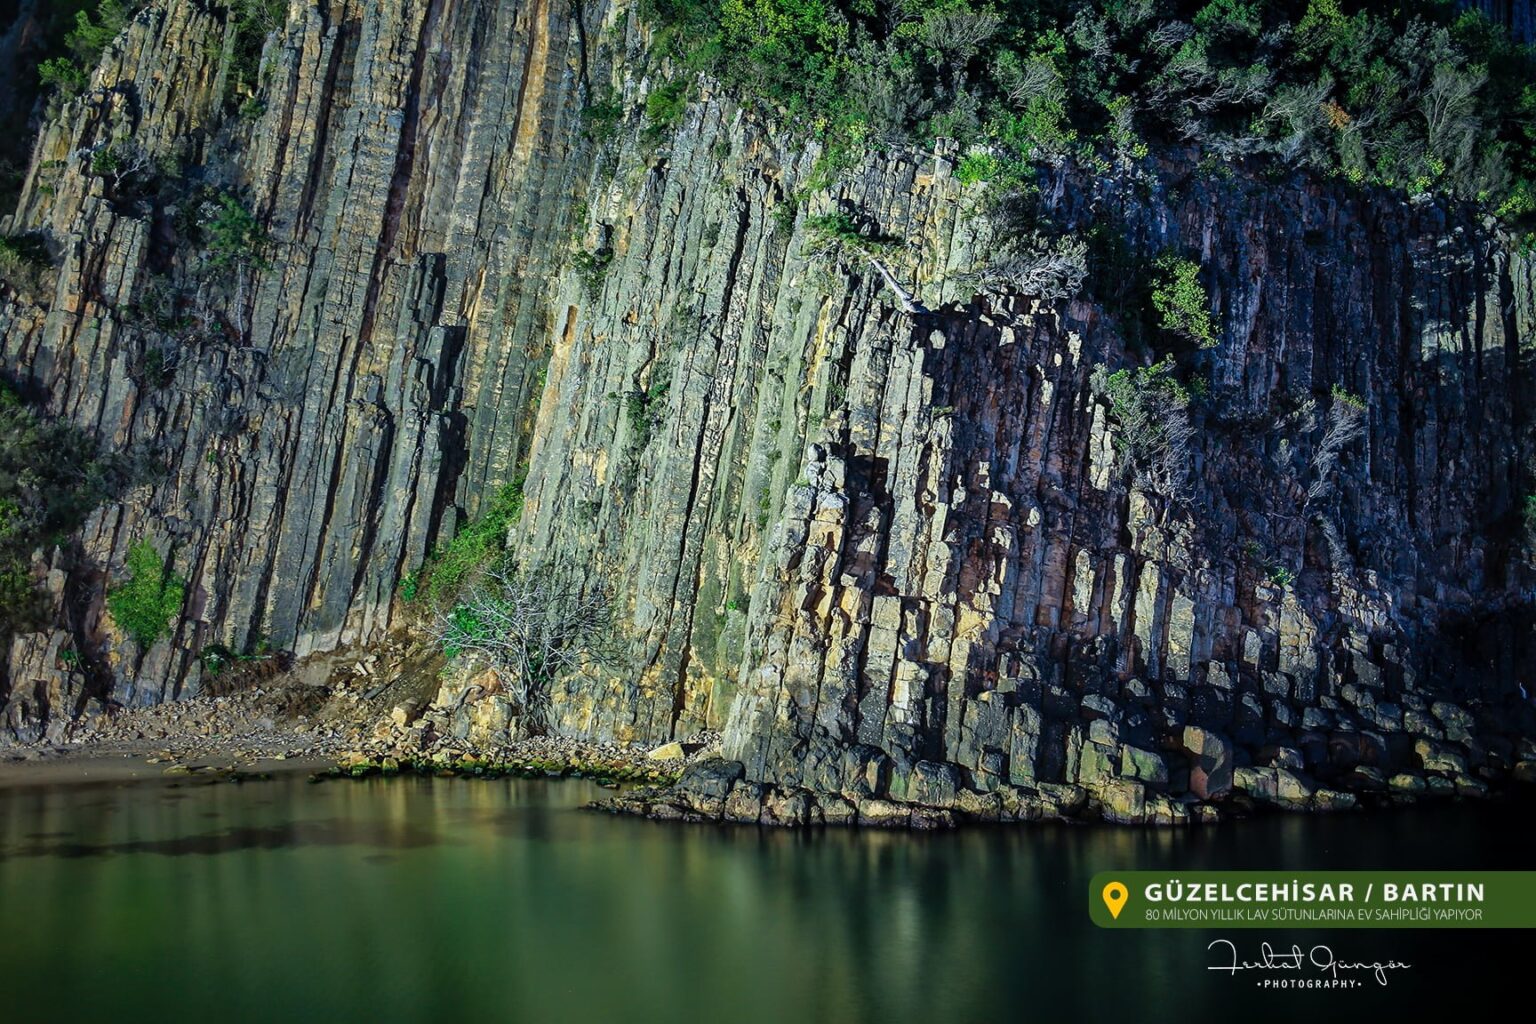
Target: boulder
1440,757
1210,775
711,777
1143,766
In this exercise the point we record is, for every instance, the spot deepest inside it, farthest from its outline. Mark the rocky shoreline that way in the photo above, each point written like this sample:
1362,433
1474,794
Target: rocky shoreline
377,712
393,710
716,790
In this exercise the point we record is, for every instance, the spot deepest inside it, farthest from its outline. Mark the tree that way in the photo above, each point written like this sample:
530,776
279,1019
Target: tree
533,625
1043,266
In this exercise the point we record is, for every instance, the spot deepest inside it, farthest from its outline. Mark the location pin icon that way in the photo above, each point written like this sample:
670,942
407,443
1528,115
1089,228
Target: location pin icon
1114,898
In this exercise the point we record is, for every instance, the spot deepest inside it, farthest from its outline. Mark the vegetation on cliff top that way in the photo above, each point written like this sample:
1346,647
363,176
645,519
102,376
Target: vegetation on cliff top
1420,97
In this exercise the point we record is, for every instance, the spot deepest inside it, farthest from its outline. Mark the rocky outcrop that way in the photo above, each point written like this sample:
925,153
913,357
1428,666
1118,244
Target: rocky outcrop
892,544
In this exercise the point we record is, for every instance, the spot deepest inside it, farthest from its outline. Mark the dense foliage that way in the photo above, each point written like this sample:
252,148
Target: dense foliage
1418,96
144,604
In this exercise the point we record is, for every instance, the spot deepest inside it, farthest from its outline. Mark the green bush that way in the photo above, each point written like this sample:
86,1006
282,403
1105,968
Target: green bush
976,167
85,44
90,38
466,629
1182,305
664,109
62,74
144,604
477,545
1349,398
23,263
837,234
232,234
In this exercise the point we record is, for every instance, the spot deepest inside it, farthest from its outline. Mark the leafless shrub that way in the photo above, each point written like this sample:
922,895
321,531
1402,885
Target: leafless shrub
1157,435
1298,110
958,32
1025,81
535,626
1050,268
1451,123
1345,423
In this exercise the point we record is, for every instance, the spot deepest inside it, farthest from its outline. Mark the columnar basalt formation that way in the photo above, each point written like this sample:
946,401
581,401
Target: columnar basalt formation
901,559
340,407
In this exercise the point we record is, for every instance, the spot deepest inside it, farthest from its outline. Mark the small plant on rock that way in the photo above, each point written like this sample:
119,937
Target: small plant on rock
1182,305
664,109
977,167
477,544
144,603
234,236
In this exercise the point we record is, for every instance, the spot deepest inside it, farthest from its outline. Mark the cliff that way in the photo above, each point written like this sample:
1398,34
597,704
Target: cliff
902,560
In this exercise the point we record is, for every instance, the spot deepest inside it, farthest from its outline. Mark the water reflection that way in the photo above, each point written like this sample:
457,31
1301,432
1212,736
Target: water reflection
418,899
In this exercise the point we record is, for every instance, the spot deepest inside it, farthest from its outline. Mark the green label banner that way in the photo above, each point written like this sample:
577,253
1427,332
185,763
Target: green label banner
1313,899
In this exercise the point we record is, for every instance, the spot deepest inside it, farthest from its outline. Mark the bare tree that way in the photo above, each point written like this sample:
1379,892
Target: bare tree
532,625
1450,115
1345,422
1049,268
1025,81
1156,434
957,34
1298,110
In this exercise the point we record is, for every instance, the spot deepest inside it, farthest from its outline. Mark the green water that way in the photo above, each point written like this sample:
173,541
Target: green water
425,900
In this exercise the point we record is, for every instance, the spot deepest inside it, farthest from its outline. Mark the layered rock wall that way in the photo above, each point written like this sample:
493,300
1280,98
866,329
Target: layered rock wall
902,557
342,406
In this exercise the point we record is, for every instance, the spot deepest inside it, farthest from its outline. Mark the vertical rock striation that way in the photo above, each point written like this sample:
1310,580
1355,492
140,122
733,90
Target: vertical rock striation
899,558
342,406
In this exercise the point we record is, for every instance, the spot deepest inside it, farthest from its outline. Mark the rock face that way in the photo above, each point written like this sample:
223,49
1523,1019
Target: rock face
901,559
328,415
